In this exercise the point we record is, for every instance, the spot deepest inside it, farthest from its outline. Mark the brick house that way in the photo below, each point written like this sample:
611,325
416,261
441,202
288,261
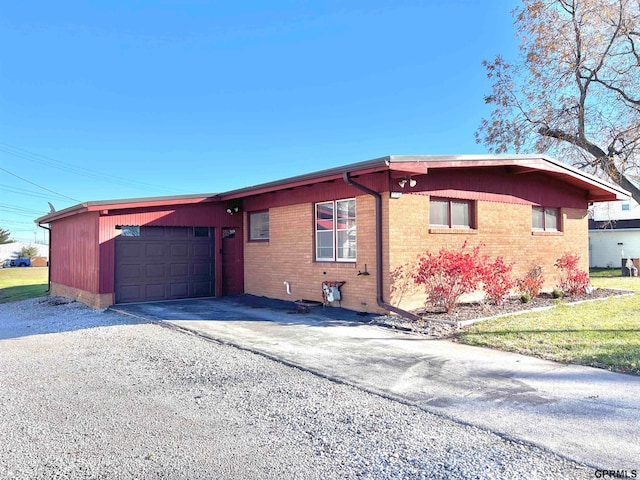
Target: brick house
353,224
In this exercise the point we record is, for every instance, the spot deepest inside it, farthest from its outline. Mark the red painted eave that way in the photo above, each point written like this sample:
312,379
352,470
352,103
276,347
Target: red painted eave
110,205
596,190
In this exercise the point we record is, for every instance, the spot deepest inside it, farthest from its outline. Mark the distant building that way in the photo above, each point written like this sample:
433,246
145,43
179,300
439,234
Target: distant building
12,250
614,233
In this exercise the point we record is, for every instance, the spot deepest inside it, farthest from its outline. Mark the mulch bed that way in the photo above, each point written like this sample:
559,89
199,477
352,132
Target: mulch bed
440,324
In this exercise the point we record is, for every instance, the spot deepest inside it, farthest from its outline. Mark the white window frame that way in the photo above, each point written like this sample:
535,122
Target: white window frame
335,232
450,201
545,228
253,223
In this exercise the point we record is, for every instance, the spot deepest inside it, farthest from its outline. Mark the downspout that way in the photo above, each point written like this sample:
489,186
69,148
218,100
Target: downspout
49,262
379,279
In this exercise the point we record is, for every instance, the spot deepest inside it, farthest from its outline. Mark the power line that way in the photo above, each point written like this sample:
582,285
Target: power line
30,193
11,208
68,167
39,186
15,222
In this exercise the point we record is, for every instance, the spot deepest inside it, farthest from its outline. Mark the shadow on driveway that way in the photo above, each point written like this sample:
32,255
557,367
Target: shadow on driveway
242,308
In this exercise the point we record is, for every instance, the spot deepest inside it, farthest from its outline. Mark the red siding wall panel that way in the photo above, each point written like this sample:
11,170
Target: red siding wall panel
74,252
335,189
498,185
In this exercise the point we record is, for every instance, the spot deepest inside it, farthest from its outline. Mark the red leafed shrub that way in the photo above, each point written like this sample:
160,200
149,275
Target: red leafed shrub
496,279
448,275
532,282
573,281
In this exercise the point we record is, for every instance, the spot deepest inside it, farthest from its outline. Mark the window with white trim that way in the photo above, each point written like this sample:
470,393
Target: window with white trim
336,231
259,226
545,219
450,213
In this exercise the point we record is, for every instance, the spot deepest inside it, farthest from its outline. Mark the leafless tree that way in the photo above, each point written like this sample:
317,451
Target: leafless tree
574,90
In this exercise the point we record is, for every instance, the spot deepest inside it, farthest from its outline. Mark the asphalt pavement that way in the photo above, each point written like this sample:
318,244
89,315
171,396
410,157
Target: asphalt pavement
585,414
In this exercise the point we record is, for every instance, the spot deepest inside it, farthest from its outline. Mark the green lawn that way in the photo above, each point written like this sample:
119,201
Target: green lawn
611,278
604,334
22,283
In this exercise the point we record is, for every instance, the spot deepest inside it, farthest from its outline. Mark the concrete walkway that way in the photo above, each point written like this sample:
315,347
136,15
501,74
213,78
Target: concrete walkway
585,414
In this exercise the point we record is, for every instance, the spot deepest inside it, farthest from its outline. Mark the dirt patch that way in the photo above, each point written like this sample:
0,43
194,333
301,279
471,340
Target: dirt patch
440,324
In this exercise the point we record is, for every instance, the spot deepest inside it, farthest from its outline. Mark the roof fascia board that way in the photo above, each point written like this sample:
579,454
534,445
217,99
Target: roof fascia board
122,204
534,162
355,169
412,164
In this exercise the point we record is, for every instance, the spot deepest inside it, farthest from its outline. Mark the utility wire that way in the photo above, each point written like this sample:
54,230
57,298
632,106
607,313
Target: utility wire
12,208
30,193
39,186
68,167
15,222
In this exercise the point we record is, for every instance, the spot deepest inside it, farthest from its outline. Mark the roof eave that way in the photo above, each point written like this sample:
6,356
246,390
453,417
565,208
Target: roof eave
121,204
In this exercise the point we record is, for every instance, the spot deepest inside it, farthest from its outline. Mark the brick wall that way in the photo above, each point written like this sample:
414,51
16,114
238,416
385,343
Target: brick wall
503,229
93,300
289,256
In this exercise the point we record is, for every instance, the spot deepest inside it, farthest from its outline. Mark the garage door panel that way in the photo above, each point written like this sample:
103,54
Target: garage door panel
179,269
179,250
157,271
155,291
153,232
179,290
130,273
201,250
129,293
164,263
179,232
200,289
155,249
202,269
129,249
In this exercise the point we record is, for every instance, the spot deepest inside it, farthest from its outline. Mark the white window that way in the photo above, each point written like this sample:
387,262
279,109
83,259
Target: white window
259,226
336,230
545,218
448,213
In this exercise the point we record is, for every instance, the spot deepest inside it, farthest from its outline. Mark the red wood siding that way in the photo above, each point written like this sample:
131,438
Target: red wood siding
74,252
332,190
498,185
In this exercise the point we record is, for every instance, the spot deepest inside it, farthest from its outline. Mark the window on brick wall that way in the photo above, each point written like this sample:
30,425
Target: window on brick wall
545,219
451,213
336,230
259,226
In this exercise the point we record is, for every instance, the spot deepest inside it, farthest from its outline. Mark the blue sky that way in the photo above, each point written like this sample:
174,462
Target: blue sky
120,99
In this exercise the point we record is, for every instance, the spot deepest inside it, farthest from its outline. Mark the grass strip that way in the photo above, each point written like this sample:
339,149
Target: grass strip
22,283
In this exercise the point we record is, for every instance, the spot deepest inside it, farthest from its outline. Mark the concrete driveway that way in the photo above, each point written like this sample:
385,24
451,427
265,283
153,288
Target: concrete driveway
585,414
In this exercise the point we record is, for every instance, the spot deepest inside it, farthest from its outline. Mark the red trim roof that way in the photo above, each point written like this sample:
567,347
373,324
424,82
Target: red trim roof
398,165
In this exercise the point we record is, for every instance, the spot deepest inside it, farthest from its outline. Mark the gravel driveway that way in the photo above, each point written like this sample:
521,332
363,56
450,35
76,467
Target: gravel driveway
88,394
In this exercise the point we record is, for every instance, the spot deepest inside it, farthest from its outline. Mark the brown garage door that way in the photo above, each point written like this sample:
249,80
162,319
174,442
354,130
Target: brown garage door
164,263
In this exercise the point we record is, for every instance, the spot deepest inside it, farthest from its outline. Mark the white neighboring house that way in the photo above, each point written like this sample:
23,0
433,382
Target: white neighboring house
12,250
614,233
